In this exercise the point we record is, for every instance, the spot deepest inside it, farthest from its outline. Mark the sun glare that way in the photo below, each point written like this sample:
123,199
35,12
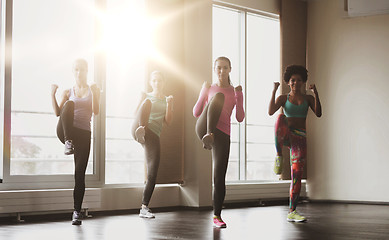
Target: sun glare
126,30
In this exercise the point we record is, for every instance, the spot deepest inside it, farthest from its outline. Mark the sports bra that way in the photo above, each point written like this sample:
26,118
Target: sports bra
293,110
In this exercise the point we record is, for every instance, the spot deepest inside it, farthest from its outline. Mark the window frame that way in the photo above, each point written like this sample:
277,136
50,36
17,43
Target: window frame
96,179
242,127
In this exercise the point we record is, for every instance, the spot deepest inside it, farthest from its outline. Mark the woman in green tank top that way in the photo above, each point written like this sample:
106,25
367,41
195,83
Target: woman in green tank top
153,111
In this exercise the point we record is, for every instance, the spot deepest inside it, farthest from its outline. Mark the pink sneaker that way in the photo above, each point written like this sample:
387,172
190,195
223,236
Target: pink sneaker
218,222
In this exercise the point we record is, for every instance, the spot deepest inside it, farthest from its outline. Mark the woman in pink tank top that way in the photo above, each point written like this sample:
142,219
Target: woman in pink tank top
75,111
213,110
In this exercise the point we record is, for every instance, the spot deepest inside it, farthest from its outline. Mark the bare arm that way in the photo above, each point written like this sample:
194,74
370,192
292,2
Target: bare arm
314,102
203,97
95,98
54,103
169,110
275,104
239,113
142,98
65,96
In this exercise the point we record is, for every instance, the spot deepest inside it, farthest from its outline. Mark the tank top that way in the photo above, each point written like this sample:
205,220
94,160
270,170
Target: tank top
293,110
82,110
157,113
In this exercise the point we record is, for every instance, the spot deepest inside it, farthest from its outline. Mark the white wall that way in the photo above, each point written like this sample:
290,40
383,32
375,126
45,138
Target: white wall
197,190
349,62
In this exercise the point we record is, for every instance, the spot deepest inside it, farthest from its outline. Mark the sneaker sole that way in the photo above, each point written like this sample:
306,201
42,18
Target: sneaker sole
69,153
140,135
76,222
207,142
143,216
294,220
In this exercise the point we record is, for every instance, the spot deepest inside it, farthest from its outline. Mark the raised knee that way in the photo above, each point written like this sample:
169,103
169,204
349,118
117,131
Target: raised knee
68,104
147,102
281,116
219,96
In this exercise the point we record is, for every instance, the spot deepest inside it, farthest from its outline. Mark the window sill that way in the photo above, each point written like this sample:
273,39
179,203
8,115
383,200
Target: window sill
259,190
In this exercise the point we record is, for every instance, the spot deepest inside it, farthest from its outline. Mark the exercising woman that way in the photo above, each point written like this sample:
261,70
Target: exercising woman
153,110
213,110
75,112
290,129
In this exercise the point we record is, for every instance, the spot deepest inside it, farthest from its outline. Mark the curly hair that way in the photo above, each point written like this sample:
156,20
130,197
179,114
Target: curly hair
295,69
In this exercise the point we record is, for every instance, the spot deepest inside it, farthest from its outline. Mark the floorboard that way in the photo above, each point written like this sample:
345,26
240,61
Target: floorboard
325,221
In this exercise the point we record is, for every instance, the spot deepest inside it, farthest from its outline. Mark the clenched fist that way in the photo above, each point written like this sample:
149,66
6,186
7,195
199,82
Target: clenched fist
206,85
238,88
94,88
169,99
276,85
312,87
54,88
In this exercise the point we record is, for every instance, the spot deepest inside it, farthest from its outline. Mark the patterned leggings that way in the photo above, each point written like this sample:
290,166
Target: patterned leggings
296,141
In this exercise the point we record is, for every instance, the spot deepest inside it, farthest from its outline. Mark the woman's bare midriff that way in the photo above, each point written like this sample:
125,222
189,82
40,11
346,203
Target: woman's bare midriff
298,123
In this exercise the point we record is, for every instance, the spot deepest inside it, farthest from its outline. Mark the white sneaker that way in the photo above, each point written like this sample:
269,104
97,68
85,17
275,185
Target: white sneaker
140,133
76,218
69,147
146,213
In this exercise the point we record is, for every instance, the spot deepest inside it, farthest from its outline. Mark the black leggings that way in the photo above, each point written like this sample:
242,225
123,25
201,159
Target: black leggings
206,123
152,147
81,140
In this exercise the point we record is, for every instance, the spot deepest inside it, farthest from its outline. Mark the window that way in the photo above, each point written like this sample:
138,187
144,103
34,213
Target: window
252,42
125,79
44,46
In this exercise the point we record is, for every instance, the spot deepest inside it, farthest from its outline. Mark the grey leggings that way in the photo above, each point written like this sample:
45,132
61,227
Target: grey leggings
152,149
206,123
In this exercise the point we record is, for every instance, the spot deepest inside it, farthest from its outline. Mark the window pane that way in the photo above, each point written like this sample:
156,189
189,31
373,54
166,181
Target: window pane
126,68
44,46
263,68
226,38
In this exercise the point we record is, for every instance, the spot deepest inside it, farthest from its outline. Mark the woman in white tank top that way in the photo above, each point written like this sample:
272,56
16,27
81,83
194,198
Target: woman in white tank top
75,111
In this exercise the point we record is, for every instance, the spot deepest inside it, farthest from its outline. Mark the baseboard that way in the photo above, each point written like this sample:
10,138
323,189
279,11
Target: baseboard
347,201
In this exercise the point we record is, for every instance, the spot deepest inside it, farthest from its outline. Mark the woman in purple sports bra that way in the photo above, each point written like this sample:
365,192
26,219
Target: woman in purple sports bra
290,129
75,112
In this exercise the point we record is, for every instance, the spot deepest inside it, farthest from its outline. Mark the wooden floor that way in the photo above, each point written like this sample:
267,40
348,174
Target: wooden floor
325,221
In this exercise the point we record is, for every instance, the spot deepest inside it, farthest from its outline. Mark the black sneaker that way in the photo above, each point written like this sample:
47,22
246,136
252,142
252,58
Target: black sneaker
76,219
